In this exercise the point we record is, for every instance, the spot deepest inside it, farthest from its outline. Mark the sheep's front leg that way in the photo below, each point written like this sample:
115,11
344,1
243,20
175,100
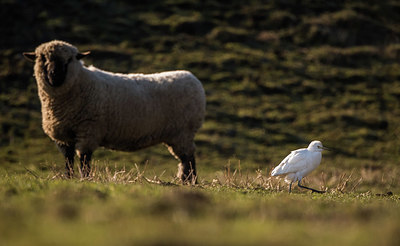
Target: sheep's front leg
85,158
69,152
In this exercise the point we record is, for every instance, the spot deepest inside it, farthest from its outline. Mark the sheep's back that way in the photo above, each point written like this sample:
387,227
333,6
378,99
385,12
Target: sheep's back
144,110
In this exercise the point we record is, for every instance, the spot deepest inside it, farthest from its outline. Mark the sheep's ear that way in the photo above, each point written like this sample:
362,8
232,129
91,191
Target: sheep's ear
81,55
30,56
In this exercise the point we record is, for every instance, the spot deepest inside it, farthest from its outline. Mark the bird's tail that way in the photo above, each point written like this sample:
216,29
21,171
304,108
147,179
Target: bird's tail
275,172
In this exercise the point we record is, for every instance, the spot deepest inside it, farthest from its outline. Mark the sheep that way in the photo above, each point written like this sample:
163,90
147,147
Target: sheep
84,108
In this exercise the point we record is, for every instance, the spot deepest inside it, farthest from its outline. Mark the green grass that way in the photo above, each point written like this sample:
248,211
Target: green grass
114,208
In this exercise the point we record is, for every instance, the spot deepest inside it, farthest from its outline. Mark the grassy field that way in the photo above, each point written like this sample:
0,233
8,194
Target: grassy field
125,207
277,75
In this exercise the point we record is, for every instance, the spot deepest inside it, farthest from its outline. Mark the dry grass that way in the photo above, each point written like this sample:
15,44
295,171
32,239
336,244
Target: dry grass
367,179
118,204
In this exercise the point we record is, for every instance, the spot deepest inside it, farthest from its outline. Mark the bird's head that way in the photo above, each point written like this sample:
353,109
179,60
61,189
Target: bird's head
316,146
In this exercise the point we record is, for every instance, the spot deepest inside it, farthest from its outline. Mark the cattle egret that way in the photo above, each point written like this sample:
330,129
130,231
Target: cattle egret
299,163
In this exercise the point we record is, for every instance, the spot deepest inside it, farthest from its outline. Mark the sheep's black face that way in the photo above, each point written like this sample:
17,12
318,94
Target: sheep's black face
54,70
52,61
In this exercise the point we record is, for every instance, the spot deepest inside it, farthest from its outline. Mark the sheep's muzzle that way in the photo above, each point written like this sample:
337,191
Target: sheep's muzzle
55,72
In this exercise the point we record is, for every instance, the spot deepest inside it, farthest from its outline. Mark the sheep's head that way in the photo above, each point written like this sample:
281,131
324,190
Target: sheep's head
52,61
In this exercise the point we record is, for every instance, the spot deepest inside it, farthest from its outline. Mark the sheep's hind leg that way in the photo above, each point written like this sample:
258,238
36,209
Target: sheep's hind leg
69,152
187,169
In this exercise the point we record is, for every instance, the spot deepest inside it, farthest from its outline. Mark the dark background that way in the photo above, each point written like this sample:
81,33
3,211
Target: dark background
278,74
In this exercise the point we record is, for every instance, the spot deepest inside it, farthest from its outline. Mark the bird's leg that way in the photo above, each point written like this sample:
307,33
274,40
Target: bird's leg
290,187
305,187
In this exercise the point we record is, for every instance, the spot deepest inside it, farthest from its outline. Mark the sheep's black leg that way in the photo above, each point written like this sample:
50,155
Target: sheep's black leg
85,163
188,169
69,152
305,187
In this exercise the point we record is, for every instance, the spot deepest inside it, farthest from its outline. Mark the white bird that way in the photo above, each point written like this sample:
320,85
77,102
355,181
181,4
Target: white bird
299,163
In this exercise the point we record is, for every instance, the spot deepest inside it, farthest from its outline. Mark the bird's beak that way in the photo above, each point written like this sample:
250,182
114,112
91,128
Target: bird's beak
325,148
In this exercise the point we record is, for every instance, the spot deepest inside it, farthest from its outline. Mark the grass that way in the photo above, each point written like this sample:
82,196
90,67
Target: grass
125,207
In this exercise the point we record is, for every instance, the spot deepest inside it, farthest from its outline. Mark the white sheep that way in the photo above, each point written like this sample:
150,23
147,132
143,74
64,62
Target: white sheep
84,108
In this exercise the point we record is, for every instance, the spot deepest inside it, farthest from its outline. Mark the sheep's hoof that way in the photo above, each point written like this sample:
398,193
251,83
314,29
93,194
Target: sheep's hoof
187,178
69,174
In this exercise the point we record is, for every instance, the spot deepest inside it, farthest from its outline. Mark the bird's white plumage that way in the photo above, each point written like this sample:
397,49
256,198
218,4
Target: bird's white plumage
299,163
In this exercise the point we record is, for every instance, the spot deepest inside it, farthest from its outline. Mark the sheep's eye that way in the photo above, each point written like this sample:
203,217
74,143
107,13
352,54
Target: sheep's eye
69,60
42,58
